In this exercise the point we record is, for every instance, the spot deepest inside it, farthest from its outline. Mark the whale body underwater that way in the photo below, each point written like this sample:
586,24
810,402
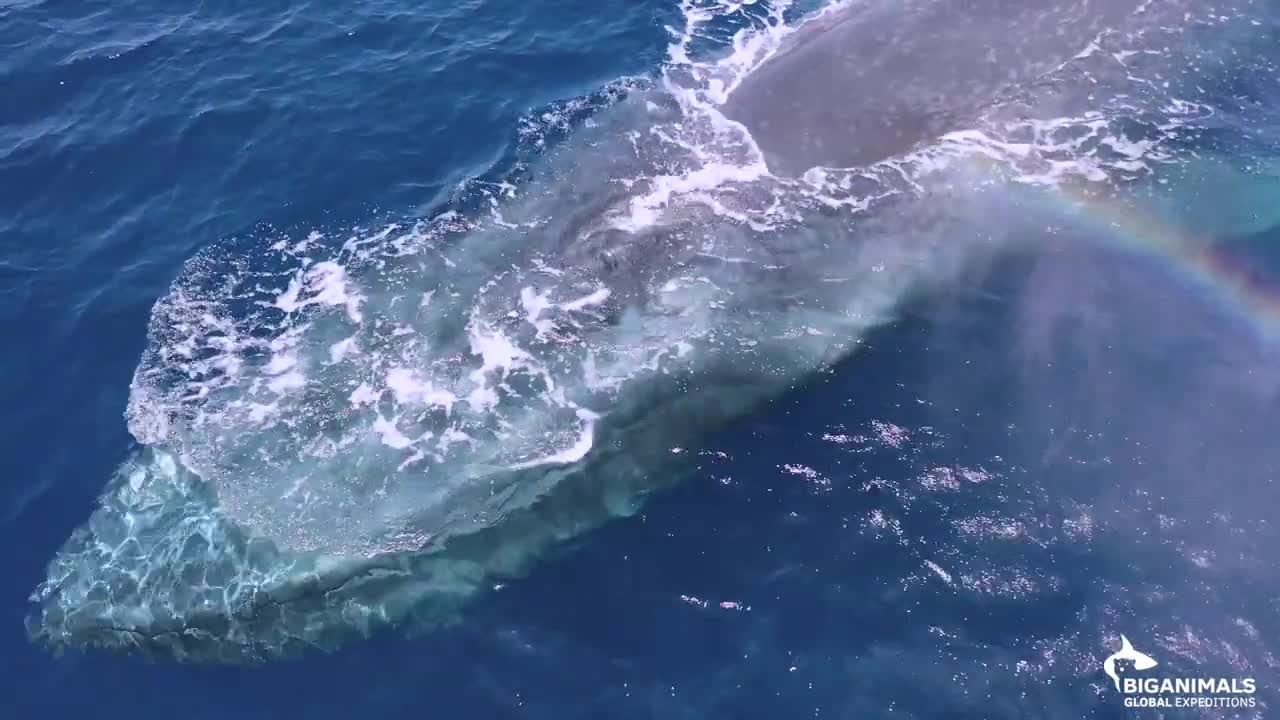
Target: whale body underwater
337,437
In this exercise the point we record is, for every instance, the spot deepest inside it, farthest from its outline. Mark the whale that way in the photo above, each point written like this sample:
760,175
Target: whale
348,432
878,78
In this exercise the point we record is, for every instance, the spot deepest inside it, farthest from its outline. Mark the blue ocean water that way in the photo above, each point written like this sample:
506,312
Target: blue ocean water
952,522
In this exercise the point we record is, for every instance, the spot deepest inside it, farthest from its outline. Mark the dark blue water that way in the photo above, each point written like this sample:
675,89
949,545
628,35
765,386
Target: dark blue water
953,523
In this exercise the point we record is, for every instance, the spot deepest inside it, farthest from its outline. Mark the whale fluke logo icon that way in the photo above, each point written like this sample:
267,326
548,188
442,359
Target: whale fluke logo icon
1141,661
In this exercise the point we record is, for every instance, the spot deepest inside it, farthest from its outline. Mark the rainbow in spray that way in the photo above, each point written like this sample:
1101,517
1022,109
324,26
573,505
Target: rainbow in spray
1223,265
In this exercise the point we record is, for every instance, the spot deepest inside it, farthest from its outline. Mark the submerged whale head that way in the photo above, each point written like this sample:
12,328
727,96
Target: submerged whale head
314,468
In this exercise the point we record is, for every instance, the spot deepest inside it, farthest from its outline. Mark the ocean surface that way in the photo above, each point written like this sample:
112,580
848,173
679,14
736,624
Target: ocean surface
1071,439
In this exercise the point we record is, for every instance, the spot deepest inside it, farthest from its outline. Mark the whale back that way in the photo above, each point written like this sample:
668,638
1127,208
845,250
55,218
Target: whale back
891,75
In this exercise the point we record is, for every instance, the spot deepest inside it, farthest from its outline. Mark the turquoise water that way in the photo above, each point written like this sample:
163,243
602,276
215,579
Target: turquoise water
1066,441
